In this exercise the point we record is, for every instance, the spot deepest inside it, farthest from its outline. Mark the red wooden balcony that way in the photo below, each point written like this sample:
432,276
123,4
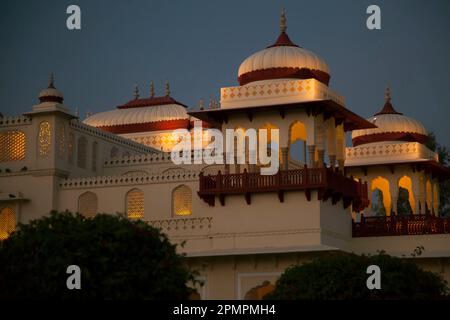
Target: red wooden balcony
329,183
400,225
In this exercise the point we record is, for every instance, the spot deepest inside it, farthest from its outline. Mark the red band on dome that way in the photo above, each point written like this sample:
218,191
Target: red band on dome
281,73
148,126
51,99
390,136
148,102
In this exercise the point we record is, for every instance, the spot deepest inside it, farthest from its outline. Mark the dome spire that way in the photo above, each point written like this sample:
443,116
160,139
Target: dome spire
283,25
387,108
136,91
51,83
167,89
152,89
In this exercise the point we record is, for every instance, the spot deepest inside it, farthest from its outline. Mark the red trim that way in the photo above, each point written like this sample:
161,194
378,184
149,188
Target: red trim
390,136
148,126
283,40
148,102
388,109
51,99
280,73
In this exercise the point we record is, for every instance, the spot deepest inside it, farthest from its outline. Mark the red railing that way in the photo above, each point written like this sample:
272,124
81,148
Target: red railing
328,182
400,225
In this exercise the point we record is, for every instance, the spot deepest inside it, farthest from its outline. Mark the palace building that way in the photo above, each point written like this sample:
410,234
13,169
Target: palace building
241,229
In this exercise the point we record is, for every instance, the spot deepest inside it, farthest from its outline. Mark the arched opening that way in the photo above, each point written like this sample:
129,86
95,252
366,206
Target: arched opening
7,222
272,145
258,292
82,152
135,204
297,142
182,201
377,207
88,204
382,185
405,201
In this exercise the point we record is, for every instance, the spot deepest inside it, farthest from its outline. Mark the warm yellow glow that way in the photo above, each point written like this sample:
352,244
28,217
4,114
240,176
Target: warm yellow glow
298,132
12,146
61,142
436,197
45,138
135,204
383,185
87,204
182,201
7,222
406,183
428,194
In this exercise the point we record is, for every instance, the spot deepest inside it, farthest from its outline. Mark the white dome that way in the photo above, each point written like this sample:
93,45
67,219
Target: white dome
138,115
50,92
283,57
387,123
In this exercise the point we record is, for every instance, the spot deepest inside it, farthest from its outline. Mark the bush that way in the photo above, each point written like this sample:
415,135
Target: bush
343,277
119,259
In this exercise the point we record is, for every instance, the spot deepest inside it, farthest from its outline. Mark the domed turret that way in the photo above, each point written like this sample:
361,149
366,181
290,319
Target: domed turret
283,60
391,126
51,94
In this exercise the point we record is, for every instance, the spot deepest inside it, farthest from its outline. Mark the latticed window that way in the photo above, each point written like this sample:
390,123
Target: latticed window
70,147
81,152
12,146
87,204
182,201
94,156
7,222
44,138
135,204
61,140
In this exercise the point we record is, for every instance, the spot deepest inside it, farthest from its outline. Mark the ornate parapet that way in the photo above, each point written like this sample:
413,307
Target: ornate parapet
176,226
15,121
388,153
277,92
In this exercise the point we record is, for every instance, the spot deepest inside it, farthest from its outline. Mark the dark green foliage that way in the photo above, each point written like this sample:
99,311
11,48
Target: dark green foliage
403,205
343,277
119,259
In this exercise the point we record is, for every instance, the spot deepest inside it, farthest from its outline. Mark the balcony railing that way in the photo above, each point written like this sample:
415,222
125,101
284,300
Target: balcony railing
400,225
329,183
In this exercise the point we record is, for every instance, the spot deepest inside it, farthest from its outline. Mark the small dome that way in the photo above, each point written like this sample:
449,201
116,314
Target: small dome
51,94
391,126
142,115
284,59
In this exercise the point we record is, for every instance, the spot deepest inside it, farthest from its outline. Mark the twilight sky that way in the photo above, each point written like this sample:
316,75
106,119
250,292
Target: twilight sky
198,46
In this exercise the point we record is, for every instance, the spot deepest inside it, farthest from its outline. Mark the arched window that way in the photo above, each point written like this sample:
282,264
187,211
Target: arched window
382,185
135,204
182,201
44,138
297,142
94,156
7,222
377,206
406,203
70,147
258,292
61,140
87,204
12,146
114,152
81,152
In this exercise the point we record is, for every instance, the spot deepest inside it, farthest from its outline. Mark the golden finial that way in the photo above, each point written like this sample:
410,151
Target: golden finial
51,83
152,90
283,26
387,95
136,92
167,89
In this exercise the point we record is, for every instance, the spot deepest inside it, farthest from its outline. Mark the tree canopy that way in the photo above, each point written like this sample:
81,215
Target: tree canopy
118,258
344,276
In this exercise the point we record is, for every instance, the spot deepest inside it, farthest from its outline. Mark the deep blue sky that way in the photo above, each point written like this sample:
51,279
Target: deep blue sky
198,46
